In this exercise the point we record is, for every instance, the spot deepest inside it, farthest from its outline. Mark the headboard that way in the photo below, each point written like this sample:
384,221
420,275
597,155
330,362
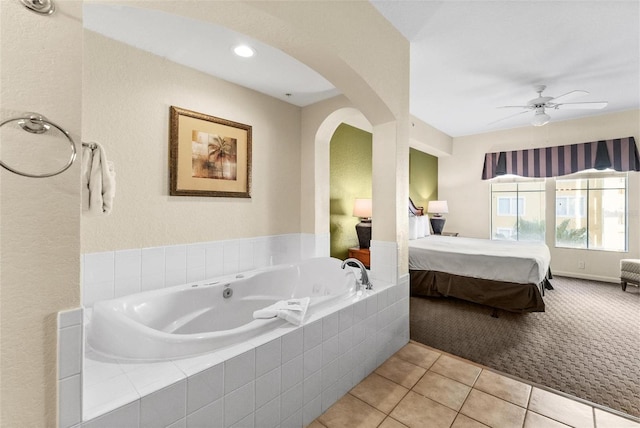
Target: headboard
415,210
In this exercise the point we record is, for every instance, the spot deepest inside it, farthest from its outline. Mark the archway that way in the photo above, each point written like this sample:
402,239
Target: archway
327,128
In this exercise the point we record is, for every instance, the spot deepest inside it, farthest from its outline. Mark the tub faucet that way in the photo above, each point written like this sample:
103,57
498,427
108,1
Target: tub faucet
364,277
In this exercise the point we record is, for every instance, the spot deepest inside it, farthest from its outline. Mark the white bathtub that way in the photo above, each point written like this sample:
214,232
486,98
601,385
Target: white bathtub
195,318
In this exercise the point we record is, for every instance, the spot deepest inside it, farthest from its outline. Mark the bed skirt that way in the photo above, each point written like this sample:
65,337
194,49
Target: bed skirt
509,296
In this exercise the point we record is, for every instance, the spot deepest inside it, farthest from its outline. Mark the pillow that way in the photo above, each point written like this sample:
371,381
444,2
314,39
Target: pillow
413,227
420,226
427,225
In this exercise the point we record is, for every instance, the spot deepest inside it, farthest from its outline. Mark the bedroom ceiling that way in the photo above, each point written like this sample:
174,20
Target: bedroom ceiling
467,57
470,57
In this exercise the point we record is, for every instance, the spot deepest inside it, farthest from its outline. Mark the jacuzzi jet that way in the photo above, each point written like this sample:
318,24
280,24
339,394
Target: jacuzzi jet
227,292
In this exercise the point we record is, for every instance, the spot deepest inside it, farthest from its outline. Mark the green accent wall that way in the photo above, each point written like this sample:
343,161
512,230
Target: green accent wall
350,178
423,178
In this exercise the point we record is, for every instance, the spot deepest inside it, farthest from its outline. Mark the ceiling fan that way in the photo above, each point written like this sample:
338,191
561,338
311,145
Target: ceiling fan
540,104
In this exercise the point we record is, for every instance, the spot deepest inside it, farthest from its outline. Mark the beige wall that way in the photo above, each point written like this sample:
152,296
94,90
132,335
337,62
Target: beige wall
126,98
428,139
40,69
374,80
319,122
374,77
40,220
468,196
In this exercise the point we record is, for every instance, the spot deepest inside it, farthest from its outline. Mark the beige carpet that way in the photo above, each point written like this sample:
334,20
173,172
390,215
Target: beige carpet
586,343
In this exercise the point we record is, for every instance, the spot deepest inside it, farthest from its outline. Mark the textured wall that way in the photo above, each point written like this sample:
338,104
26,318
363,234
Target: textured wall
40,69
423,177
126,98
350,176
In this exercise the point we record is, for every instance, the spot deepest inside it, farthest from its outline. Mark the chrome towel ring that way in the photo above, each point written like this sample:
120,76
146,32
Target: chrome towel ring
42,7
38,124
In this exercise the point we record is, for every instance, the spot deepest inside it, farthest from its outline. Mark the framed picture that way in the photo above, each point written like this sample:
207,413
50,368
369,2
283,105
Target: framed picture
208,156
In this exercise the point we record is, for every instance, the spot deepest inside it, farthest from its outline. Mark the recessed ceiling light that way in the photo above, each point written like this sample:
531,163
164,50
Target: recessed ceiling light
244,51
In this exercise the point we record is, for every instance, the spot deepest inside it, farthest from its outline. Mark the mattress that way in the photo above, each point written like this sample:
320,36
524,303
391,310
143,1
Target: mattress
508,261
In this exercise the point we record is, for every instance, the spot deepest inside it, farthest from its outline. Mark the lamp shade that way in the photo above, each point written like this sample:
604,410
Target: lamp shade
437,207
362,208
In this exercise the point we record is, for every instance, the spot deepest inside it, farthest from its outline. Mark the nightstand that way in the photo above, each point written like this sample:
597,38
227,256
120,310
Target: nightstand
361,254
449,233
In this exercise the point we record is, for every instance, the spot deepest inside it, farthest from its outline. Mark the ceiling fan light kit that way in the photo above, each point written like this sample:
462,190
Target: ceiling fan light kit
540,104
540,118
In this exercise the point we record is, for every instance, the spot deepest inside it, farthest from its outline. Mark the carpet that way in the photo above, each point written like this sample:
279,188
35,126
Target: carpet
586,343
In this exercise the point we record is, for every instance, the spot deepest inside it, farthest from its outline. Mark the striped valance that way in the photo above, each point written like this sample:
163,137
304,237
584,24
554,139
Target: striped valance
620,154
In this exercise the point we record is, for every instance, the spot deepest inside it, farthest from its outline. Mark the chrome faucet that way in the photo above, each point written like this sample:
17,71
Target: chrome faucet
364,277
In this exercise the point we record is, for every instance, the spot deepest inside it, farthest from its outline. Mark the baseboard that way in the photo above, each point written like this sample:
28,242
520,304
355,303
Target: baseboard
586,276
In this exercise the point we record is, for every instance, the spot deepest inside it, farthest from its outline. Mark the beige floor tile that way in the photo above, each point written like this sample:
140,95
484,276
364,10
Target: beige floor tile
315,424
456,369
391,423
504,387
560,408
445,391
379,392
351,412
463,421
401,371
609,420
416,411
493,411
534,420
418,355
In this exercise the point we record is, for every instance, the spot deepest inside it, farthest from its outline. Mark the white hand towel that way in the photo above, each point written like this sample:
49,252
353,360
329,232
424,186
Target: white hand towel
292,310
99,180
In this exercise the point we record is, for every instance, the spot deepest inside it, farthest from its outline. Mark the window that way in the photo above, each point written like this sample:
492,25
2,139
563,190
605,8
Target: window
510,206
570,206
517,211
591,213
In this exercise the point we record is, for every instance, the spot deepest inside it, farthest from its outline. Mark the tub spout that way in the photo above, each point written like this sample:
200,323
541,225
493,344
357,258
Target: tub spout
364,277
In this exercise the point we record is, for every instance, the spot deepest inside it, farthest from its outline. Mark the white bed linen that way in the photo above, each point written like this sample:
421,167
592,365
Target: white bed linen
509,261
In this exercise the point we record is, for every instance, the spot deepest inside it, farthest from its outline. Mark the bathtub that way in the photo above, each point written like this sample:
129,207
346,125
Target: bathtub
196,318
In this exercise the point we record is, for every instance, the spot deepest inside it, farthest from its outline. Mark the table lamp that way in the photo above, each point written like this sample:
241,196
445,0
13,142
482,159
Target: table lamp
437,208
362,209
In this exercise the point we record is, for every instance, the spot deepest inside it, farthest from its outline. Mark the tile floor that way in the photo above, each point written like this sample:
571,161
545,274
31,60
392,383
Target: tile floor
423,387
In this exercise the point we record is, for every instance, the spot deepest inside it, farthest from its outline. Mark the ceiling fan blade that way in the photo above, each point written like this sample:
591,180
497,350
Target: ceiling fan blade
508,117
527,107
592,105
569,96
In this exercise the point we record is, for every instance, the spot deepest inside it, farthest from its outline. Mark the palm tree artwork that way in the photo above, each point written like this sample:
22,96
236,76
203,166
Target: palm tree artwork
214,156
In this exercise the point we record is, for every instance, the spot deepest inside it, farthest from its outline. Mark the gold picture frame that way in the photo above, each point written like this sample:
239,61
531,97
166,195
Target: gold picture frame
208,156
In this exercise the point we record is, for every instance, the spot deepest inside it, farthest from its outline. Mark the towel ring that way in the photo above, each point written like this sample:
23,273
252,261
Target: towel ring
38,124
42,7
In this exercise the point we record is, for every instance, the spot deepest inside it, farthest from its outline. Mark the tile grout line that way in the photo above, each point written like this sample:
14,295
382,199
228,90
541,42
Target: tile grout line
535,385
427,370
467,397
406,393
532,385
472,387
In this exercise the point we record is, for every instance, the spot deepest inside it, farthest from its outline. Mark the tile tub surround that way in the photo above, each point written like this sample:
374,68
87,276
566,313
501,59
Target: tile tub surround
420,386
286,377
111,274
70,337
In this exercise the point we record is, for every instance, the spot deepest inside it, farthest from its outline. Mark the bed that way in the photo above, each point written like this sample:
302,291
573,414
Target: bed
506,275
